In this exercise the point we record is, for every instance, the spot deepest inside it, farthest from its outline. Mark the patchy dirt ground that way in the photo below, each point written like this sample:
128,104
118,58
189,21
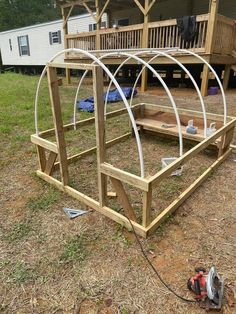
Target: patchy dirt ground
50,264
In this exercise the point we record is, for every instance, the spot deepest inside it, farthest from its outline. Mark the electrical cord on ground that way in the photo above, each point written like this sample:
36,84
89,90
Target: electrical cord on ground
154,269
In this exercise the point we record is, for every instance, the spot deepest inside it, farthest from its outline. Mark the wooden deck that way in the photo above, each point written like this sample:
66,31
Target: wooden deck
161,34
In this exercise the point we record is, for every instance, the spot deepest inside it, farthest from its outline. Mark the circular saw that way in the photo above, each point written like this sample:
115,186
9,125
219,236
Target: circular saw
209,288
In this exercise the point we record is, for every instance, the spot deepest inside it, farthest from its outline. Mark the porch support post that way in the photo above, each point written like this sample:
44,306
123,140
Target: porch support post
226,76
211,28
65,16
144,77
98,24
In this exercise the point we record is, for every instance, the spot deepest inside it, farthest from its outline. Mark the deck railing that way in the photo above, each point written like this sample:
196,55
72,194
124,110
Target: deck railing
225,36
129,37
166,34
162,34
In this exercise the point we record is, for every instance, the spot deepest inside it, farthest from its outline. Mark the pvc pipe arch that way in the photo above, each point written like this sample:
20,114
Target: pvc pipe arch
88,54
161,53
131,56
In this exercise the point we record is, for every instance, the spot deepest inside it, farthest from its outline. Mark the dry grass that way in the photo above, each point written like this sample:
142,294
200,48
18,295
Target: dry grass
50,264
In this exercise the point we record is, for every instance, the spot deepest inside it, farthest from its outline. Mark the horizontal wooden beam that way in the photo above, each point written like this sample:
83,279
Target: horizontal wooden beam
124,176
67,65
44,143
88,201
174,205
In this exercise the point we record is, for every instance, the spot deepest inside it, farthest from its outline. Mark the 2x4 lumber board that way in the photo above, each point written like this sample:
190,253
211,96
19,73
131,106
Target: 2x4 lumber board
41,157
44,143
57,119
89,151
98,91
67,65
89,121
50,163
123,199
88,201
124,176
191,113
157,178
155,125
182,198
147,203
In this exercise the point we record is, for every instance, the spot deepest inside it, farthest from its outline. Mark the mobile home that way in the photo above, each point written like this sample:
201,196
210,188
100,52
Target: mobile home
34,45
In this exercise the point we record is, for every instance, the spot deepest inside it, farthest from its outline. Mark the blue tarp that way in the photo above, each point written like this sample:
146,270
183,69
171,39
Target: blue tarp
113,96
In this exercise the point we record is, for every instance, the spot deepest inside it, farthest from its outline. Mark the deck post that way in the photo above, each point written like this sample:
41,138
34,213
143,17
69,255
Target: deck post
144,77
211,31
98,24
65,17
226,76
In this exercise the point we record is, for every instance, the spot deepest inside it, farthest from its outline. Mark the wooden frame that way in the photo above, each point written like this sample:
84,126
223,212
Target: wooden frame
58,158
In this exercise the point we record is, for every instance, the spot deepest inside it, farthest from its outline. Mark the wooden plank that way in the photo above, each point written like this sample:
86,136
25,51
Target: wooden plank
147,203
88,201
98,91
44,143
41,157
156,126
191,113
50,163
174,205
57,118
190,154
132,179
123,199
67,65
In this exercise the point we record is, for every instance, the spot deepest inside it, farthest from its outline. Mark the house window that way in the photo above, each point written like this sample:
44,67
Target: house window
93,27
123,22
23,44
10,45
55,37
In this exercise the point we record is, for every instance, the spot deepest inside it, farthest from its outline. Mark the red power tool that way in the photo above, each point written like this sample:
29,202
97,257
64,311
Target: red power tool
209,288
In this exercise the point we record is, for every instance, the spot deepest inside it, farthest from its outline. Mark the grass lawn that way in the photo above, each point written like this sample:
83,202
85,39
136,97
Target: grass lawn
50,264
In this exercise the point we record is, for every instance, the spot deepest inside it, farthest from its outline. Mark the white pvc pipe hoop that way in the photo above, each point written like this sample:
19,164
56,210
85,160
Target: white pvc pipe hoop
140,152
139,60
185,51
161,53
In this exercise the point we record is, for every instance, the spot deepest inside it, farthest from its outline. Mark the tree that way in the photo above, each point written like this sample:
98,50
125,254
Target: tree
20,13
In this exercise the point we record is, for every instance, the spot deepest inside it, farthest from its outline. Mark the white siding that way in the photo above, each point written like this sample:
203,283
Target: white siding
40,49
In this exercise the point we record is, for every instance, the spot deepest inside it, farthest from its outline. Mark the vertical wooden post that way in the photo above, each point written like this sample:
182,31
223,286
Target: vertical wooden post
226,76
211,31
98,25
147,203
144,78
65,32
57,118
98,90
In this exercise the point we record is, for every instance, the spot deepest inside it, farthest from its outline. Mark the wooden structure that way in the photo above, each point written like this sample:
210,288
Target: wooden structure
147,116
216,39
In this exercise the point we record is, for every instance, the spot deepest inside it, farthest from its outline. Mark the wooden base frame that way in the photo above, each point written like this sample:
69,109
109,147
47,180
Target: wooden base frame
149,117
